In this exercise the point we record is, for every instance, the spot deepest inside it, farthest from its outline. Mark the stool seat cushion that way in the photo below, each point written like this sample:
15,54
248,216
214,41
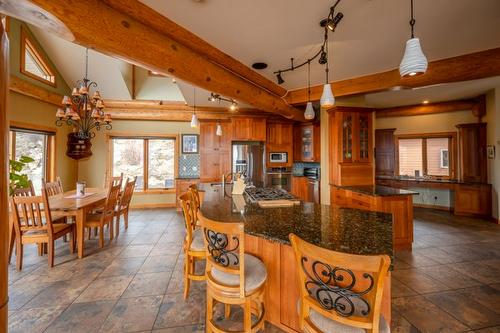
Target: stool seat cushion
197,241
326,324
255,274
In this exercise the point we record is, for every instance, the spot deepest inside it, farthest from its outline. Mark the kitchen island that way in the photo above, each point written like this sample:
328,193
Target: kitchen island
267,229
397,201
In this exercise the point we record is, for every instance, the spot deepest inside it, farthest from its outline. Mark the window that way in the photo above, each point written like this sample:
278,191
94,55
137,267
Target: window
33,64
152,160
37,145
426,155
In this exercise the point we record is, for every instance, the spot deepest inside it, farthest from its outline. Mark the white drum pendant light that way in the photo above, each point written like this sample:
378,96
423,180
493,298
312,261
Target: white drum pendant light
327,99
309,113
218,131
414,61
194,119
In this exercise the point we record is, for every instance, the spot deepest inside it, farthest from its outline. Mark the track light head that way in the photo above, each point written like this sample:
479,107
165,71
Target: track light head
323,58
280,78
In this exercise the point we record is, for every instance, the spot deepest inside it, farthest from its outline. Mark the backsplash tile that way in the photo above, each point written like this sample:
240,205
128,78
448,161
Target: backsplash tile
298,167
189,165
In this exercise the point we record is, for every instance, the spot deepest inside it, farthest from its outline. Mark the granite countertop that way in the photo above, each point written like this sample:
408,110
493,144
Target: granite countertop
187,177
331,227
421,179
378,190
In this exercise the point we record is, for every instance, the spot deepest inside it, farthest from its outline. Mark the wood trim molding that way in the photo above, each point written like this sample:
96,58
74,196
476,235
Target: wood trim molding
431,108
26,88
131,38
465,67
152,205
42,61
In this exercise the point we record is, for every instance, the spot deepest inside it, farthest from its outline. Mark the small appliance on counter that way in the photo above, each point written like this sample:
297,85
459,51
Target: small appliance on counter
280,178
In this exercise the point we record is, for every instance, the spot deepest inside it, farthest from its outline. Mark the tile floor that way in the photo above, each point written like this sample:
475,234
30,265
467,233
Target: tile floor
449,283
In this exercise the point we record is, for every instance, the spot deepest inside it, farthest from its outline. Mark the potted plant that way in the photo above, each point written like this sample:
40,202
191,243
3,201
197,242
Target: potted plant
17,179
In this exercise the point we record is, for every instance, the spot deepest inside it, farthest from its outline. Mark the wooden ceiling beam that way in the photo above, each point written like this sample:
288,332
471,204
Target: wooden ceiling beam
119,35
28,89
431,108
466,67
183,36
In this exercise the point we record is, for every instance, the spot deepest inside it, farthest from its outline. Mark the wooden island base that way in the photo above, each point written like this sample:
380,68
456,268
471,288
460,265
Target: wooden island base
282,291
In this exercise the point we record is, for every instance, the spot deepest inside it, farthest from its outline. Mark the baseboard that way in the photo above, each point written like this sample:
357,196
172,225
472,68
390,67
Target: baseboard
152,205
445,208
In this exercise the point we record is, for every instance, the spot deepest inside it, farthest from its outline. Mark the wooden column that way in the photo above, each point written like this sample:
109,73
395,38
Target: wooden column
4,218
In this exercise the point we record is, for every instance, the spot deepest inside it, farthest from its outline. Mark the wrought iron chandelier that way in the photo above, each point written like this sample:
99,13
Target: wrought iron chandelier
82,112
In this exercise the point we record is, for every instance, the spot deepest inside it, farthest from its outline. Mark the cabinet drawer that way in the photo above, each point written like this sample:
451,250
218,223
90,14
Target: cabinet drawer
360,204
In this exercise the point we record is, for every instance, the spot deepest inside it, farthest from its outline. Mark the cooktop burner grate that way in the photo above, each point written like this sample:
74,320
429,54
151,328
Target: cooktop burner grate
268,193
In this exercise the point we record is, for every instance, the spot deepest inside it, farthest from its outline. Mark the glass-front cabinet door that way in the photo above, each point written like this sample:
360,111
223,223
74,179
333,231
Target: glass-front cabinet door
307,143
364,137
347,137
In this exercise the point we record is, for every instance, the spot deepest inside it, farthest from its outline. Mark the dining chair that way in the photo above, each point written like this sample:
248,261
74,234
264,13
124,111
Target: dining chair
19,192
339,292
118,180
54,187
233,276
33,225
194,249
123,205
197,196
105,217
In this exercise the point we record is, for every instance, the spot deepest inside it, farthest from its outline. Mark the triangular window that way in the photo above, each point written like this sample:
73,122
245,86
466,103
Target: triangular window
33,63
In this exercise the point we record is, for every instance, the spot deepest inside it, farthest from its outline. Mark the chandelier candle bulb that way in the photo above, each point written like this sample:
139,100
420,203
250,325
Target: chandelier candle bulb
66,100
60,113
83,90
75,92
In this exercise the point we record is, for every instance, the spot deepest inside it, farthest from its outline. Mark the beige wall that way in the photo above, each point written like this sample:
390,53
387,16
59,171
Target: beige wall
93,169
493,120
29,110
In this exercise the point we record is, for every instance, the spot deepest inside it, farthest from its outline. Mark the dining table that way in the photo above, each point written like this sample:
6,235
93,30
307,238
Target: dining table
71,205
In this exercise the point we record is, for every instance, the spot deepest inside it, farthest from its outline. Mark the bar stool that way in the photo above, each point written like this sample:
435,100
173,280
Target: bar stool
339,292
233,277
197,197
194,248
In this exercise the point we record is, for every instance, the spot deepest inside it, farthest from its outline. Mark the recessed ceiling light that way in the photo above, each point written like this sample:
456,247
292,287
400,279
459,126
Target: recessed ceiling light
259,65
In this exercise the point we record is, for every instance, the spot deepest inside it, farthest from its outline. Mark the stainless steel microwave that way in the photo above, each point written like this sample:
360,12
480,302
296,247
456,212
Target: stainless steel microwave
278,157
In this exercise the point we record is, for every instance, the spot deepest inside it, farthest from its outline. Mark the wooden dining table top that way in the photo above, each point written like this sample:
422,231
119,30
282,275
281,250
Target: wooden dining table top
64,201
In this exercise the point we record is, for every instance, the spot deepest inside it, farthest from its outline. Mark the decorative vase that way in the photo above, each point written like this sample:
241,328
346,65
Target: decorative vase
78,148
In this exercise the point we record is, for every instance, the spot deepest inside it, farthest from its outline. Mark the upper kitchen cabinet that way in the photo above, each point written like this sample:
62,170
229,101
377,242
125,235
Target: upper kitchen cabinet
307,147
249,128
472,152
215,151
351,146
279,140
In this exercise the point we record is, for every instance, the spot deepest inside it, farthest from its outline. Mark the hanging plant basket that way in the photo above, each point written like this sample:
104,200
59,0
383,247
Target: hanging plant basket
78,148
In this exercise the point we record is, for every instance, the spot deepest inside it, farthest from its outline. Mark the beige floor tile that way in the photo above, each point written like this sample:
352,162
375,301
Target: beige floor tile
148,284
106,288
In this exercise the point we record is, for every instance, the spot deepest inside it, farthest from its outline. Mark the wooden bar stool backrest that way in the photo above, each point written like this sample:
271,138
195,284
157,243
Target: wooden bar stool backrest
189,220
31,213
193,188
346,288
53,188
127,193
108,211
225,249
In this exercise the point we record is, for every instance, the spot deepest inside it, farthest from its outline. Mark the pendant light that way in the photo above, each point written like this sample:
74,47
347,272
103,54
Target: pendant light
414,61
327,99
218,130
309,112
194,119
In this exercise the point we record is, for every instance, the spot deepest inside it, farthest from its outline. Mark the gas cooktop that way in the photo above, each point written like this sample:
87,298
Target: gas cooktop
268,193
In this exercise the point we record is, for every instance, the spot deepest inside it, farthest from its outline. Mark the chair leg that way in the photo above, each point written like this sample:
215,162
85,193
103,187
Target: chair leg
187,281
90,232
247,316
111,229
210,314
95,231
101,236
227,311
19,254
72,241
117,224
40,249
51,252
125,218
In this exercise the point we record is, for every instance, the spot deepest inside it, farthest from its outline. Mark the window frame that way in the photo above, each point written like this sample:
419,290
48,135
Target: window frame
50,158
145,137
452,152
39,57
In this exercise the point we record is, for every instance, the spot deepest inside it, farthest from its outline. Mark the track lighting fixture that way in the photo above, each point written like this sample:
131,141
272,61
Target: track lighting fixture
194,120
216,97
280,78
414,61
309,112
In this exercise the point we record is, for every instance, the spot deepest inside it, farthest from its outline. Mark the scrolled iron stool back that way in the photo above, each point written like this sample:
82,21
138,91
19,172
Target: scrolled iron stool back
339,290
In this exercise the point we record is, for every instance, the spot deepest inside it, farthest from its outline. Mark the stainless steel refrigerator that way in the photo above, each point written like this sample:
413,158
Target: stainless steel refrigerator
248,160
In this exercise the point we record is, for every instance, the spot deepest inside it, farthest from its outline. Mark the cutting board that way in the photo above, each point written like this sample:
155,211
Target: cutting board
277,203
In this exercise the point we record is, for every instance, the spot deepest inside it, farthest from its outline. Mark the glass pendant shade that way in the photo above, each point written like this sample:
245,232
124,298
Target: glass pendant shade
327,98
218,131
194,121
309,112
414,61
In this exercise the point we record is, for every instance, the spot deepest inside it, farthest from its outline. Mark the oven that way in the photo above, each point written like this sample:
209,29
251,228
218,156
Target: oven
279,178
278,157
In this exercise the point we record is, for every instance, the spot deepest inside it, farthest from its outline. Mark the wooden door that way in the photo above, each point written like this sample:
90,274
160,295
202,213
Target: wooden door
226,137
210,166
241,128
225,162
258,129
208,139
384,152
472,149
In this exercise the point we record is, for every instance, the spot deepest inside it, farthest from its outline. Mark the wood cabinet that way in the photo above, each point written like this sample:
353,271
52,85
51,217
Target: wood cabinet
249,129
307,145
215,151
351,146
279,140
384,152
181,186
306,189
472,152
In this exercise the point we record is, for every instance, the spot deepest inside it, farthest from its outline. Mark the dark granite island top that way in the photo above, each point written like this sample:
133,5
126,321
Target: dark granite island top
378,190
340,229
